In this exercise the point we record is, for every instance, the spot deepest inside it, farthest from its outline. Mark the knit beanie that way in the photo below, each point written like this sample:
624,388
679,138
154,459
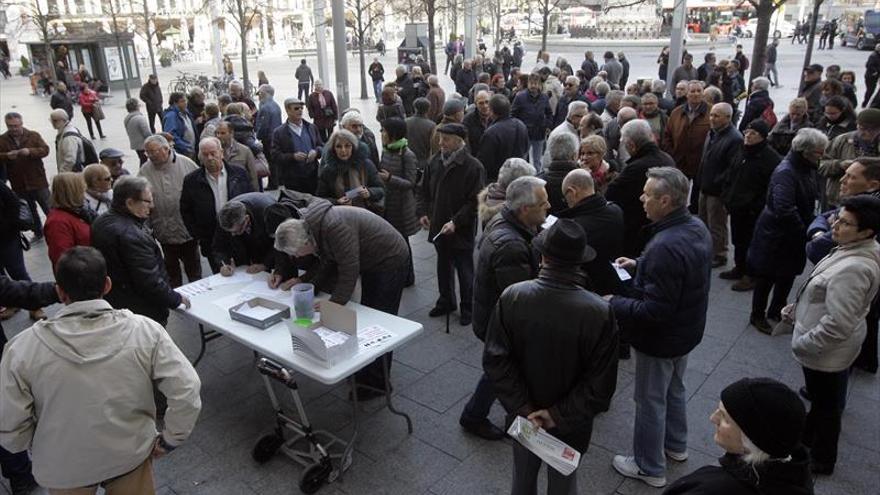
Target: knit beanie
768,412
760,126
869,117
452,106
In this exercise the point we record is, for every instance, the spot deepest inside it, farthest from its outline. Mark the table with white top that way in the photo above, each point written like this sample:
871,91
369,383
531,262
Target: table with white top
210,298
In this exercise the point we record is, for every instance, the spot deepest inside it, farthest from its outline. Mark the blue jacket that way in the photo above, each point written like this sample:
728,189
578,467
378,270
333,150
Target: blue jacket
819,247
534,112
665,313
268,118
173,122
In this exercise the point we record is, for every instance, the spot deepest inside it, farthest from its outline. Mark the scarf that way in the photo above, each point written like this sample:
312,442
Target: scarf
85,214
321,100
448,159
397,145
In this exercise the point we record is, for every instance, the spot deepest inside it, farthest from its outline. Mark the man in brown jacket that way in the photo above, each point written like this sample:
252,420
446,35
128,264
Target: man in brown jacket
21,159
686,131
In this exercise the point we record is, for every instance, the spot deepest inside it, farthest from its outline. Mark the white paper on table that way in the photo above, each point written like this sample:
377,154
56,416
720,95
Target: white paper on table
232,300
238,277
194,288
549,221
257,312
556,453
331,337
260,288
622,274
372,336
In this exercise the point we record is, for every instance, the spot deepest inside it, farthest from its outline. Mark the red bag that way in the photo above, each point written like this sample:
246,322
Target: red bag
769,115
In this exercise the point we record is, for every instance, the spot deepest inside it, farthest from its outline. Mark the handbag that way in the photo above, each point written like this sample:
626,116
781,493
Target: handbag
261,166
25,219
97,111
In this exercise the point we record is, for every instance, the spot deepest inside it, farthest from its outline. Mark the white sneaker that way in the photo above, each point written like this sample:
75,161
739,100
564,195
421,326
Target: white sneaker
677,456
627,467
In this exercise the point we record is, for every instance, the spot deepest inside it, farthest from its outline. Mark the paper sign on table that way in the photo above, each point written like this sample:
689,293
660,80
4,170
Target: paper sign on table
372,336
556,453
194,288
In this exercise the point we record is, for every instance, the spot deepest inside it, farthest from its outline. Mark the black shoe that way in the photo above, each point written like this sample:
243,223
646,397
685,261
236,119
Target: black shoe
822,468
440,311
465,319
805,394
483,429
23,485
761,324
733,274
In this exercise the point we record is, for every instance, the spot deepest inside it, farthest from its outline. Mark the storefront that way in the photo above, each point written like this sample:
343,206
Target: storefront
99,54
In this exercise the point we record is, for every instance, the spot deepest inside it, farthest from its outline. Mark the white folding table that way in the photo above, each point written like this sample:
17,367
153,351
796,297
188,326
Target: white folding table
275,359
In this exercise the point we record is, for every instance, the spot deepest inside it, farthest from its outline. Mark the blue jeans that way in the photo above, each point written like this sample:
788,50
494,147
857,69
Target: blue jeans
536,151
661,414
377,88
477,409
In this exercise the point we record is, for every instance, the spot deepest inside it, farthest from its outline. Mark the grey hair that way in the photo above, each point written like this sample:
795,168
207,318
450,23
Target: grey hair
231,215
523,192
346,135
132,104
562,146
58,114
318,82
400,69
603,88
351,117
158,139
627,114
291,235
699,83
268,88
576,105
128,187
761,83
236,83
798,102
724,107
671,182
638,132
433,81
714,93
580,179
209,139
512,169
807,139
573,80
658,86
614,95
12,115
596,143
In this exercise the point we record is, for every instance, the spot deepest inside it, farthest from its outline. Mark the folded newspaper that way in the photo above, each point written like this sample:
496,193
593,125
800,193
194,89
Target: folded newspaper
555,453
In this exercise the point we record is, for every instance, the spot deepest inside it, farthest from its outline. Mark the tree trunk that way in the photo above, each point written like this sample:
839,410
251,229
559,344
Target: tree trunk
762,32
50,57
126,70
244,68
808,56
149,38
432,56
545,13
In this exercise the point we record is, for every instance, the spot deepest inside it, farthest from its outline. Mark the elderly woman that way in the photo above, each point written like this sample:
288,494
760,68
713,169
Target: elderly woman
776,255
98,194
758,423
590,125
562,149
322,109
784,130
829,322
491,199
68,222
398,171
348,177
591,156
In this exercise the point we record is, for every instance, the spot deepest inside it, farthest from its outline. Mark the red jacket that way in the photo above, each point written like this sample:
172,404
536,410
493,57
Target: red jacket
64,230
87,100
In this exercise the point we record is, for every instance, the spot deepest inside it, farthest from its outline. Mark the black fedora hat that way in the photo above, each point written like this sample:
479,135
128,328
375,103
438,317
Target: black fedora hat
565,242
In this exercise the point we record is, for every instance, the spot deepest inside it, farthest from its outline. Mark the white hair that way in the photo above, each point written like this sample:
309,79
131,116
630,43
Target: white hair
351,117
58,114
576,105
638,132
809,139
158,139
670,181
753,455
658,86
761,83
563,146
523,191
512,169
291,235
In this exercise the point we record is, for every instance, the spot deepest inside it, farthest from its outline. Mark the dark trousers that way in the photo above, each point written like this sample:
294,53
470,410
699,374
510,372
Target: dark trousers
450,261
411,272
142,157
325,133
870,87
15,466
867,359
12,259
151,119
380,290
742,228
186,253
302,90
827,401
89,119
34,198
780,286
477,409
525,475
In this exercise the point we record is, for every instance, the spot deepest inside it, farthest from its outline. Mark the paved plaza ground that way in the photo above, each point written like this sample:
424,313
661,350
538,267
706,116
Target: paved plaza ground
435,374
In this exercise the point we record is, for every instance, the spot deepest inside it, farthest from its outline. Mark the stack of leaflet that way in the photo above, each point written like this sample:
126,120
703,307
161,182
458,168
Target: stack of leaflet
555,453
329,341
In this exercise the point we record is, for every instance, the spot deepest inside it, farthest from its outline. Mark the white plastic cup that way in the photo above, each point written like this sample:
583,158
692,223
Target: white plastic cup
304,301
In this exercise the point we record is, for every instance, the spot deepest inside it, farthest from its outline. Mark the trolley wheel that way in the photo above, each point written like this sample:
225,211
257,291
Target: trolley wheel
266,447
314,477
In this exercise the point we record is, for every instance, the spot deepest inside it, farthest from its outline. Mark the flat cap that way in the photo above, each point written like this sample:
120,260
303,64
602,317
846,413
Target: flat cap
110,153
453,128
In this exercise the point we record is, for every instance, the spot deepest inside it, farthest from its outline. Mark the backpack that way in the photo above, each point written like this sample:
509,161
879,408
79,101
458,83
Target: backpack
89,152
769,115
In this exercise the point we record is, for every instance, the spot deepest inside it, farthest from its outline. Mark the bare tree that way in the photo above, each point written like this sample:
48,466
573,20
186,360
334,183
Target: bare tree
431,10
145,16
241,14
111,8
44,21
494,7
546,7
764,10
366,13
411,9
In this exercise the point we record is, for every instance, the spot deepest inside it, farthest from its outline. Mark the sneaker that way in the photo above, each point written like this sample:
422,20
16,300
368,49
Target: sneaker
627,467
677,456
483,429
744,284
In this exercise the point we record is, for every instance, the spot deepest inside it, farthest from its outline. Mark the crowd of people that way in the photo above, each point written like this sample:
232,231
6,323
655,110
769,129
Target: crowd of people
597,207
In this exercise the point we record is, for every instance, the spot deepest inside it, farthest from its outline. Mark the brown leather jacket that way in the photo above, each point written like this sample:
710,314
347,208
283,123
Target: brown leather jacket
26,173
684,138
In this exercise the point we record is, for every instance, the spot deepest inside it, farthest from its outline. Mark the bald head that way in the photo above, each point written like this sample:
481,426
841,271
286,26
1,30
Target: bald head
577,185
626,114
720,115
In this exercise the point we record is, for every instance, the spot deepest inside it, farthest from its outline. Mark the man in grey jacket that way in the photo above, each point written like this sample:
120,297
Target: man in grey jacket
89,354
613,68
137,128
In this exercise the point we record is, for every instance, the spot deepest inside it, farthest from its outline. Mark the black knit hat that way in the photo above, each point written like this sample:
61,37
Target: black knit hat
395,127
767,412
760,126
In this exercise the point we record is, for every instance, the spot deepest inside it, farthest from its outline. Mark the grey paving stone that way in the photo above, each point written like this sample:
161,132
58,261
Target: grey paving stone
859,425
443,387
857,473
431,350
726,323
706,356
487,471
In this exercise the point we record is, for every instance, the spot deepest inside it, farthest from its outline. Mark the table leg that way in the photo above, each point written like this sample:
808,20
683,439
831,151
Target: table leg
385,370
349,448
205,336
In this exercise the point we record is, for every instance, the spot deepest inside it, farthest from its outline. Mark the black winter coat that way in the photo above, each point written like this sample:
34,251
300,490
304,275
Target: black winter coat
777,248
719,153
151,95
464,81
758,102
298,175
603,223
450,193
506,257
254,246
552,344
197,202
135,264
554,173
664,313
475,129
735,477
746,181
505,138
626,189
534,112
407,91
24,294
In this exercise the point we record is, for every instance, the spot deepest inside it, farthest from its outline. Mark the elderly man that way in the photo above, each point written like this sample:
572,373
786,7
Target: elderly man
658,89
613,68
419,131
626,189
613,100
113,159
353,122
477,120
242,239
436,97
617,153
759,101
532,107
151,95
237,154
864,141
561,377
352,243
21,157
69,143
134,260
204,193
719,153
87,354
447,208
267,120
296,147
570,94
575,112
465,78
505,258
506,137
562,151
603,223
665,315
686,131
165,171
654,115
405,88
811,90
237,94
61,100
453,113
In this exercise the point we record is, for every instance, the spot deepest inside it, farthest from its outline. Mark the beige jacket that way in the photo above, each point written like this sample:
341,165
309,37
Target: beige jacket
832,304
67,149
167,183
77,390
240,155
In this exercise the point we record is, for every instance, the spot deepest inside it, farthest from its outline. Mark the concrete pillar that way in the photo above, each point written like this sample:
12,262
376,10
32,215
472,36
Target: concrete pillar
339,54
470,28
675,48
321,40
216,38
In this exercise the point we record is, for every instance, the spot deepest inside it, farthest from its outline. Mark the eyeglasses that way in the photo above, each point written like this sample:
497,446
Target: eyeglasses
845,223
